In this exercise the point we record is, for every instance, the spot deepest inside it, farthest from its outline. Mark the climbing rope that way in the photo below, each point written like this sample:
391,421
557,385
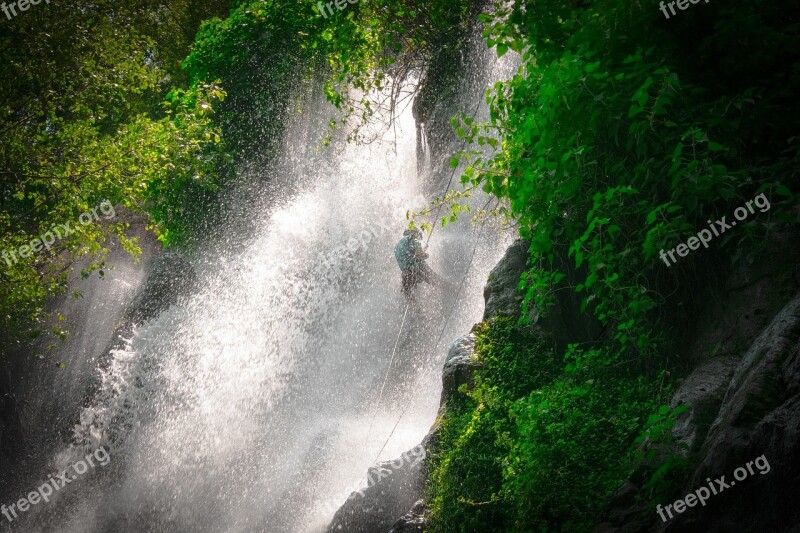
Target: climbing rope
386,376
428,368
452,309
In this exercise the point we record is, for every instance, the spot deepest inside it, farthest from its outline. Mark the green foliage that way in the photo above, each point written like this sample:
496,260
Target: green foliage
621,134
660,455
539,444
611,146
263,49
83,120
467,489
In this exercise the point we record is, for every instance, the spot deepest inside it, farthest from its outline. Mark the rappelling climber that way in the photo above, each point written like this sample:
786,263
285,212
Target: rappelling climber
411,258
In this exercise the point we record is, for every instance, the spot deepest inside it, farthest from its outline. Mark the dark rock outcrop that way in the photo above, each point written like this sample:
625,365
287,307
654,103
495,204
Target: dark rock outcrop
741,338
459,366
171,280
396,486
759,416
755,292
702,392
412,522
393,488
12,430
562,323
742,408
502,294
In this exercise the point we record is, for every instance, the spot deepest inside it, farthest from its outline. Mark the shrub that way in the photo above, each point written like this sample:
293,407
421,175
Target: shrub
539,444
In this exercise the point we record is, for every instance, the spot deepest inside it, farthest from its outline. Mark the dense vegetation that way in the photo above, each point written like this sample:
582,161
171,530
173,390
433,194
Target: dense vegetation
103,103
622,134
536,445
263,49
92,110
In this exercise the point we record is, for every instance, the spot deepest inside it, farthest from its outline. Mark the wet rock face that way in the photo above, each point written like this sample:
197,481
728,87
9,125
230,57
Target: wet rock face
459,366
502,294
12,432
412,522
171,278
563,323
759,416
703,392
397,486
393,488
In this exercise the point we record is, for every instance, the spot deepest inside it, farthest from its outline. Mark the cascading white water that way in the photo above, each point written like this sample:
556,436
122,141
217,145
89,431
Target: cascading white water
248,408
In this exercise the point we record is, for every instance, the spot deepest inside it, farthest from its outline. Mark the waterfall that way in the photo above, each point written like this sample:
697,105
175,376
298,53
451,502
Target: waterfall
248,407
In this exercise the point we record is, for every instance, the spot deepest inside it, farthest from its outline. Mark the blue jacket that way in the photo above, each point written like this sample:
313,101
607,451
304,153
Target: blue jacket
405,252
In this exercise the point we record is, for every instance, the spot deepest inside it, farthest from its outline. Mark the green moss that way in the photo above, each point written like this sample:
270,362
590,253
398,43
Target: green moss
622,135
537,445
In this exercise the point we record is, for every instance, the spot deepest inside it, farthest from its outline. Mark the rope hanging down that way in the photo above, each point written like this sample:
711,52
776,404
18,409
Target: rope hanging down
452,308
429,367
386,376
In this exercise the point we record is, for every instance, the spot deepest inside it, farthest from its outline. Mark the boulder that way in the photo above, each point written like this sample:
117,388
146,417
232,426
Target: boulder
393,488
502,294
459,366
759,416
412,522
702,391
